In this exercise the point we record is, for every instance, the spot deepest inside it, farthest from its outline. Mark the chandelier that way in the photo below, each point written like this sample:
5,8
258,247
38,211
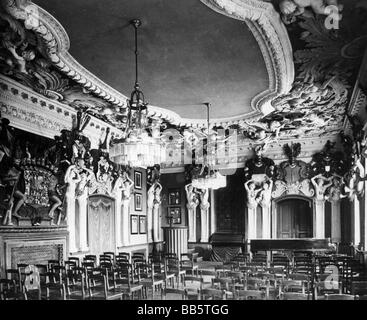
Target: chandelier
137,148
209,178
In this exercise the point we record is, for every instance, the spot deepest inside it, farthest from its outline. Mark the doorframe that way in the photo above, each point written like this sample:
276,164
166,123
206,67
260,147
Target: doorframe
274,211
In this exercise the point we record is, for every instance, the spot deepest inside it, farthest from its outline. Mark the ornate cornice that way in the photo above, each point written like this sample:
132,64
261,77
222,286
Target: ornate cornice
262,20
30,111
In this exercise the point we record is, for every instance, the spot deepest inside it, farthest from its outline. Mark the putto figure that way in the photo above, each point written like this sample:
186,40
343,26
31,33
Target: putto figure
321,185
252,194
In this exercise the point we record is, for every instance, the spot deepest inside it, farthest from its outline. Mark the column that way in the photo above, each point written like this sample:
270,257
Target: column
365,209
204,215
192,223
70,213
335,221
356,222
150,224
213,220
251,223
125,222
118,213
83,228
266,228
156,223
319,220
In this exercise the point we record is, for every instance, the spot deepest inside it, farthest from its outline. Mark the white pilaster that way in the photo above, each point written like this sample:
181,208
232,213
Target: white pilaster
83,228
356,222
204,215
251,224
319,221
266,227
125,222
192,224
213,220
335,221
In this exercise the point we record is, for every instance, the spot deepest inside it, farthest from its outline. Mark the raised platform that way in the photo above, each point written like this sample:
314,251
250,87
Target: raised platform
306,244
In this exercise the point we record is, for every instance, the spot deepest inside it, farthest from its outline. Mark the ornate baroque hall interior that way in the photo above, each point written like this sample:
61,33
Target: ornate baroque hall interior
240,173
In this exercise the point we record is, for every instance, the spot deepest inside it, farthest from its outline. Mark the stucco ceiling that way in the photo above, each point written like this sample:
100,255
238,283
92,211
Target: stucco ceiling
189,54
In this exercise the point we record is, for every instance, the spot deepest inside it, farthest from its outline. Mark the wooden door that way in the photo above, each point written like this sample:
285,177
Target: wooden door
101,224
294,219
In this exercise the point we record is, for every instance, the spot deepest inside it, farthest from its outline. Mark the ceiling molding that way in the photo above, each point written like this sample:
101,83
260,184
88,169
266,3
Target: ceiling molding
32,112
261,18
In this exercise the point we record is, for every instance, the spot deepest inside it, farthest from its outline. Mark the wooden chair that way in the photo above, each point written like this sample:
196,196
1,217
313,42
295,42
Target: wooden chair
187,263
193,285
299,286
9,290
54,290
149,280
100,288
123,279
14,274
173,266
76,284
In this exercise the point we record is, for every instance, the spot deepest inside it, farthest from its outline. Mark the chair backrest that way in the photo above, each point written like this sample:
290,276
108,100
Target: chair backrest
249,295
222,283
294,296
177,292
76,260
111,254
51,263
124,254
359,288
212,294
293,286
192,281
69,265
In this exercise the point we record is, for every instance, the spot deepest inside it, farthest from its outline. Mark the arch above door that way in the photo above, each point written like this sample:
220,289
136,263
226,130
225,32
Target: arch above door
292,217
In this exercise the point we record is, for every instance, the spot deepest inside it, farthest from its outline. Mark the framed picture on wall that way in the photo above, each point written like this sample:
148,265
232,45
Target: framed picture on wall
138,202
137,179
134,223
142,224
174,213
174,197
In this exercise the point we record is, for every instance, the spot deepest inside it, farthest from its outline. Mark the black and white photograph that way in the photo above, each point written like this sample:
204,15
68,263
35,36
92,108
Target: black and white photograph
183,150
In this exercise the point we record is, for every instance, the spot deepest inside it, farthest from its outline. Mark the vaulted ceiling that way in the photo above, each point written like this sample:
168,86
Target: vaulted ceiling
188,53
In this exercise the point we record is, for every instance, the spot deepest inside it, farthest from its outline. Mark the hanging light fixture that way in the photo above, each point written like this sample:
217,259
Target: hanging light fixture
137,148
209,178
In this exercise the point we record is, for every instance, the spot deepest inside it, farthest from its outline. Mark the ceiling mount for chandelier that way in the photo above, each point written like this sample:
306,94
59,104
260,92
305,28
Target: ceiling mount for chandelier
209,177
137,148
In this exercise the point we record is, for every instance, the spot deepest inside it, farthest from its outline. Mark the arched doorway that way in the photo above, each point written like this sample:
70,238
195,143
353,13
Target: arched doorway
294,218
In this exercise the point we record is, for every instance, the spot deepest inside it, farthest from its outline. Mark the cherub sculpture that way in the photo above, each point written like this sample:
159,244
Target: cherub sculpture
321,184
252,194
293,8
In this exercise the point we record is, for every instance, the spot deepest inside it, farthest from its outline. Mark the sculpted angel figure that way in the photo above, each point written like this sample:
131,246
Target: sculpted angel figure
320,184
335,193
252,194
128,185
192,200
265,193
204,197
293,8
